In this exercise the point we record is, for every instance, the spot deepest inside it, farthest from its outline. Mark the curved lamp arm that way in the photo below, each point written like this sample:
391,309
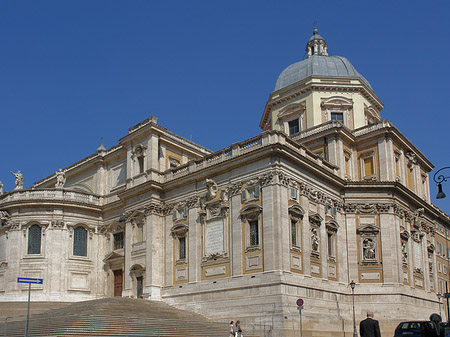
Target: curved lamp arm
439,180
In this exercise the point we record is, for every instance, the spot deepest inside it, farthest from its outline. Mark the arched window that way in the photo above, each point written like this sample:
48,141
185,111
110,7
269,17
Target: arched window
34,239
79,241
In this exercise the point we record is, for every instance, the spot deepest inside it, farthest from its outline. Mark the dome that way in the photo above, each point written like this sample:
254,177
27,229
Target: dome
318,64
321,66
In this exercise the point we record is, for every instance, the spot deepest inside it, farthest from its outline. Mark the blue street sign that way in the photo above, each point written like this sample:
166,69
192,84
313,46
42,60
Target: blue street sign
29,280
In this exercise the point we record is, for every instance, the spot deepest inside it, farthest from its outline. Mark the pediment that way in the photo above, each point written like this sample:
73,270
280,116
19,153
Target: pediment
250,209
113,257
405,235
373,112
316,217
368,230
332,225
337,101
297,210
291,109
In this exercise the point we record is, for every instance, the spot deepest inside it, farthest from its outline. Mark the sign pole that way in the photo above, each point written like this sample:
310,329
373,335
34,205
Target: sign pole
299,308
301,328
28,310
29,281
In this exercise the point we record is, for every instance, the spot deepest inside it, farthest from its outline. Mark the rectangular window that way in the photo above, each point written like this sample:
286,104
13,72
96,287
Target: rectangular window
294,127
331,250
347,165
34,239
139,233
118,240
250,193
294,232
141,164
411,178
79,241
254,233
182,248
368,166
337,116
293,193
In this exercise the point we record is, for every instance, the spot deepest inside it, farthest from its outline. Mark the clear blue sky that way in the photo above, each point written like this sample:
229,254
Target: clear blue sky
72,72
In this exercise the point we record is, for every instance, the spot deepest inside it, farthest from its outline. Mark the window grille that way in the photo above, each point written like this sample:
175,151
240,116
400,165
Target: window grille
118,240
182,248
34,239
79,242
294,232
254,233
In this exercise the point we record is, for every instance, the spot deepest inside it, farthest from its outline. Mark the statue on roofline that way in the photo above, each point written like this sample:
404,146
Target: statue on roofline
19,180
60,178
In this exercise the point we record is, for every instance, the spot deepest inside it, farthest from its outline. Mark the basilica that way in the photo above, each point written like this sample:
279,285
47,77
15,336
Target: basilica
328,195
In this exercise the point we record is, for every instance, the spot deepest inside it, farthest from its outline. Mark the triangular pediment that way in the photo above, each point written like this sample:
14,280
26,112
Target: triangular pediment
368,230
114,256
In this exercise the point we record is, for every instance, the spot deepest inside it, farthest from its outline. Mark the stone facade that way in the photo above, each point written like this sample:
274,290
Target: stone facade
326,194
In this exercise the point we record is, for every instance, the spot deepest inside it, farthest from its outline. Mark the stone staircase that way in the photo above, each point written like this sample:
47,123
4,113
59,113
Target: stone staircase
113,317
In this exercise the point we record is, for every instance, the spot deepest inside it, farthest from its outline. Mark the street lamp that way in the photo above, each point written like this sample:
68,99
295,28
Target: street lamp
439,298
352,285
441,195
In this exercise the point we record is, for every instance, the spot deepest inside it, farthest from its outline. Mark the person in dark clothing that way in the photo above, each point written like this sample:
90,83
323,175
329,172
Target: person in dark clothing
369,327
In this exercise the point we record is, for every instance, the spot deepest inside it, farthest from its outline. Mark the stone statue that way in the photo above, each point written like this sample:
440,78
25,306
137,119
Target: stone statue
314,240
60,178
212,188
1,188
417,214
369,249
19,180
404,254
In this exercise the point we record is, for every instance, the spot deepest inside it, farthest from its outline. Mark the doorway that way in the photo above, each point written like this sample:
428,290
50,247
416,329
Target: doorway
118,283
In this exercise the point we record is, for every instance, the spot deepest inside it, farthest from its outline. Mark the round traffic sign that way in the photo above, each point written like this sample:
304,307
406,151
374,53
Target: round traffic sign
299,302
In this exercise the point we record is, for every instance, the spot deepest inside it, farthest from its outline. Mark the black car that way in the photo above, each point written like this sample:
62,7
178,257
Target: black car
417,329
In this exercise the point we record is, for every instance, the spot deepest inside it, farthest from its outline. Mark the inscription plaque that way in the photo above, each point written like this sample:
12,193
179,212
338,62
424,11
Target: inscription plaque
417,254
215,236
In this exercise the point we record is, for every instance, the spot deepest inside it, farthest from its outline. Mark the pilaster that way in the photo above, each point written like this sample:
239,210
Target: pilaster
352,247
127,280
236,236
306,239
390,239
194,245
154,267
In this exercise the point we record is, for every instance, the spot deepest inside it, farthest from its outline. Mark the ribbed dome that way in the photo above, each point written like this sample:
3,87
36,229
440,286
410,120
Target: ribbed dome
318,65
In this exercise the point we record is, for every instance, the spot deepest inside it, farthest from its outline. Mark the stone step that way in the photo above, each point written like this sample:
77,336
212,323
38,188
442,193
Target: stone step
114,317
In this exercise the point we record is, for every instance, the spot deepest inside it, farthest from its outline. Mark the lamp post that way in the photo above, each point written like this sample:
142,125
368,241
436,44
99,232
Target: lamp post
352,285
441,195
439,298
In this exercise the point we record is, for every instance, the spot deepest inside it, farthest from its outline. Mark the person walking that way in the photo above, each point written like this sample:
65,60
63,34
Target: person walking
232,331
238,329
369,327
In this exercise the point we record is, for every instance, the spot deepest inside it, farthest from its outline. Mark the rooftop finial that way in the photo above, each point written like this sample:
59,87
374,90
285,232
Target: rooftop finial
101,147
315,31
